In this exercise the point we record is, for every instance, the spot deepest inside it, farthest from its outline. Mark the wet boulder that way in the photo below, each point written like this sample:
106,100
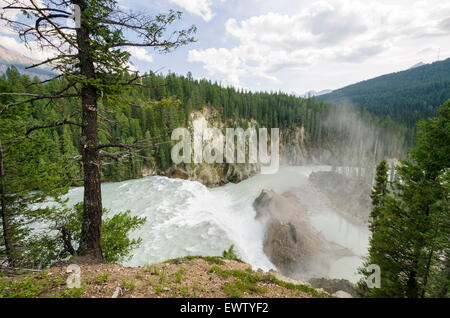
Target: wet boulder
290,241
177,172
341,288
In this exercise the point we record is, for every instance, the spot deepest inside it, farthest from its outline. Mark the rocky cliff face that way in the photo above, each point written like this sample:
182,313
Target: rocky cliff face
215,174
295,149
211,175
350,196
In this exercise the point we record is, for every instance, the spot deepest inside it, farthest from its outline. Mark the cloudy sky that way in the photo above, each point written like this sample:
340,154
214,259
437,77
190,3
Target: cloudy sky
297,45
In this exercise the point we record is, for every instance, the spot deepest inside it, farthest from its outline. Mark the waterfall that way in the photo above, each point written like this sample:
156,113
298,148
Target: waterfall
186,218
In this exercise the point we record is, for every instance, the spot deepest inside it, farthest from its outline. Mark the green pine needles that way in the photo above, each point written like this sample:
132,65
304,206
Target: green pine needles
410,220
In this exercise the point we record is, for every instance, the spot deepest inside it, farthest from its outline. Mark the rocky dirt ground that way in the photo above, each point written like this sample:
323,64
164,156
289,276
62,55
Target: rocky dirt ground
186,277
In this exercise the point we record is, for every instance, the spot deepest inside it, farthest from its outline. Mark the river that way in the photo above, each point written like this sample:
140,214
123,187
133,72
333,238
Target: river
187,218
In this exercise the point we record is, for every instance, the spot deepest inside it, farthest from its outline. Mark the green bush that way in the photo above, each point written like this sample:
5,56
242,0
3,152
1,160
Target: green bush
230,253
63,240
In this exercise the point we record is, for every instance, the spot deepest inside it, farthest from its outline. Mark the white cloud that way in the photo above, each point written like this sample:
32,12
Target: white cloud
13,14
221,62
8,14
198,7
32,50
140,54
337,31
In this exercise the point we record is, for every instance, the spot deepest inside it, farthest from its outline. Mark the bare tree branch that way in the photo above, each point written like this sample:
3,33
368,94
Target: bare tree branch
31,9
116,156
45,81
55,124
49,60
49,19
131,146
36,97
52,97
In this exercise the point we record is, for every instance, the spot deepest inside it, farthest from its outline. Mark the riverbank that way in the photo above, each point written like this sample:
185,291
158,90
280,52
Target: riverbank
189,277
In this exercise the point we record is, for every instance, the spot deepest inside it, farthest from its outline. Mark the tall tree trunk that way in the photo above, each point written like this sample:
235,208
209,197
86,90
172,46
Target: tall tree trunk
446,279
428,266
5,225
90,242
427,273
412,289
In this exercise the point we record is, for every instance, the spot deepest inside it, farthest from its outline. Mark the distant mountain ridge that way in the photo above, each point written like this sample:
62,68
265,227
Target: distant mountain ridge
417,65
316,93
13,58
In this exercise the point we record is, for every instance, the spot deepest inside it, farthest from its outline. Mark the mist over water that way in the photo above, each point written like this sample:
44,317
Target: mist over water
187,218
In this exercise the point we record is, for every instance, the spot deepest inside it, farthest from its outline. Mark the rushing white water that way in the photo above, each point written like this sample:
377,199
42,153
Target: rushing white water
187,218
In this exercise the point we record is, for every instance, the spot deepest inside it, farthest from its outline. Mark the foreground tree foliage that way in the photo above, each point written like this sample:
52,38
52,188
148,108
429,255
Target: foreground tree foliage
60,234
92,59
29,175
411,227
36,234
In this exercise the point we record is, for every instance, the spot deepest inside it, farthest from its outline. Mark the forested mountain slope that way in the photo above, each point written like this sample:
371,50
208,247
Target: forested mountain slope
406,96
311,131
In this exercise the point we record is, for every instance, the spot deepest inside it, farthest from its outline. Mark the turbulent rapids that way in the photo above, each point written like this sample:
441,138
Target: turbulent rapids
187,218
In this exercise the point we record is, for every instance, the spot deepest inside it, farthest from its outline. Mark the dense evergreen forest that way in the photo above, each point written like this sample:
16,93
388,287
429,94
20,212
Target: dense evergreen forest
150,111
99,121
405,97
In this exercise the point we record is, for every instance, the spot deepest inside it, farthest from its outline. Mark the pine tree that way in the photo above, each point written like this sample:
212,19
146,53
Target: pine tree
379,191
27,178
410,228
92,58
